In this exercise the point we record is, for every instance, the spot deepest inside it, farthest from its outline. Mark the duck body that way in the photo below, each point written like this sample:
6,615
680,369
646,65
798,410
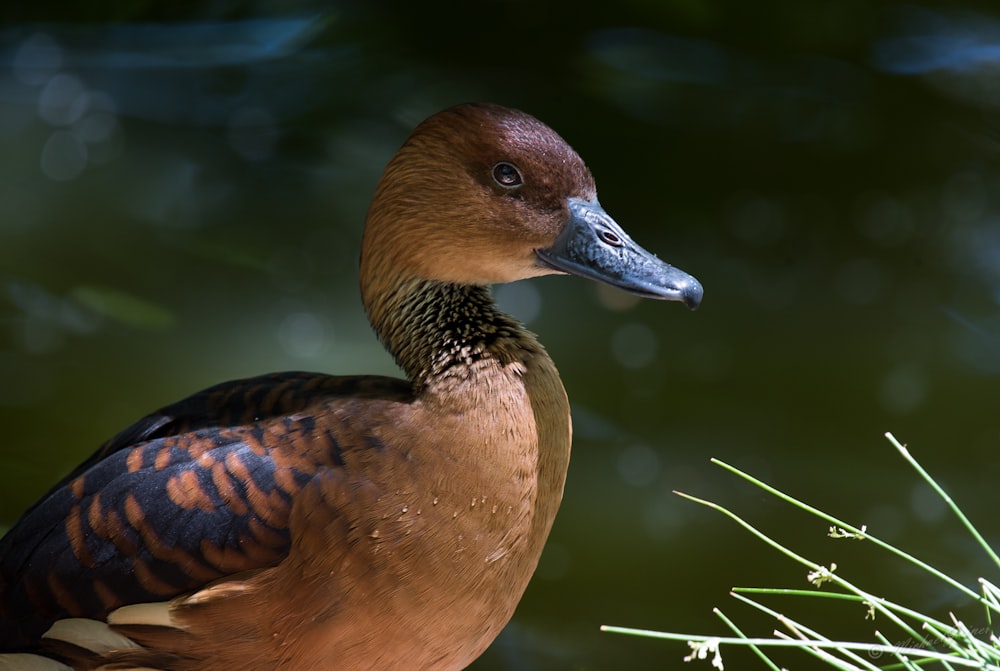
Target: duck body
301,521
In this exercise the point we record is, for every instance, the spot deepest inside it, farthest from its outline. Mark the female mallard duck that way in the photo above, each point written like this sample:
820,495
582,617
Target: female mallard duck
301,521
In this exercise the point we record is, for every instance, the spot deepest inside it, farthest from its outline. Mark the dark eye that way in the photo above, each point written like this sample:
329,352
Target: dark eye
507,175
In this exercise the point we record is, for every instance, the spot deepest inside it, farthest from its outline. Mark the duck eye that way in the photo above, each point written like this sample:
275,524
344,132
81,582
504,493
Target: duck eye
507,175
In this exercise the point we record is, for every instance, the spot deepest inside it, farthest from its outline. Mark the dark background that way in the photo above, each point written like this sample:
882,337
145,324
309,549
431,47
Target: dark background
182,192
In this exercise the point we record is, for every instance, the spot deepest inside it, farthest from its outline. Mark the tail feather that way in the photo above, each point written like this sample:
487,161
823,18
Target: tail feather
90,635
144,614
131,640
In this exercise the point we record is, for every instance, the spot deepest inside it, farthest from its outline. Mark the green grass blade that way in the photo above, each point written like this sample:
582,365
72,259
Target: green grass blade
888,547
946,498
755,648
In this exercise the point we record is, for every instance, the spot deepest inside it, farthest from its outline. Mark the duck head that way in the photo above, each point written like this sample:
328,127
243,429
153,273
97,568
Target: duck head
481,194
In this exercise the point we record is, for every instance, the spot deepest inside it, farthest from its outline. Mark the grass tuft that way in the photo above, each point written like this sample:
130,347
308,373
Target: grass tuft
934,644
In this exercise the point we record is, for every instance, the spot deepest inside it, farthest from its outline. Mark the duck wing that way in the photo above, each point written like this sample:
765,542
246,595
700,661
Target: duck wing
193,492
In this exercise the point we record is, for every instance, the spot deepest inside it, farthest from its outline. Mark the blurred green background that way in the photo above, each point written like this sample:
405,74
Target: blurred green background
182,192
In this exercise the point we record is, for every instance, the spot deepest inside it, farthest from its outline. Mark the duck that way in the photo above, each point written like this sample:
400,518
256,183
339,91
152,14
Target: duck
298,521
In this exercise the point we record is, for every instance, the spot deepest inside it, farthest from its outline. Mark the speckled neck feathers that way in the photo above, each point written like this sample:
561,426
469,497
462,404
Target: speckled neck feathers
444,334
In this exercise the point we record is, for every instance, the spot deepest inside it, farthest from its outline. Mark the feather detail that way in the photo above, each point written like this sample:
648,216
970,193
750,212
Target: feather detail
144,614
91,635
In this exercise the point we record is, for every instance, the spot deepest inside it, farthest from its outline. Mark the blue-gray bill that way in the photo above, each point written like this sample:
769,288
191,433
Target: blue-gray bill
593,245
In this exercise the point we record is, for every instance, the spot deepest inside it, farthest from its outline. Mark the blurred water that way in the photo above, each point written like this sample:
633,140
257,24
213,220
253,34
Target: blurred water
181,202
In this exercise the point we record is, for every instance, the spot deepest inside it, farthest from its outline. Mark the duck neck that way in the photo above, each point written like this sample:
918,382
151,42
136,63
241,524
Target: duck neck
446,336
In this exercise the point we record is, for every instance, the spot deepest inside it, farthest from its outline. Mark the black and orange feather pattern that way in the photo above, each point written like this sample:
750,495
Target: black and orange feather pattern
196,491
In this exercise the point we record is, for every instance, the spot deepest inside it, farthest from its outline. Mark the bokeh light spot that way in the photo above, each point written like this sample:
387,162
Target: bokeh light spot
63,157
634,345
